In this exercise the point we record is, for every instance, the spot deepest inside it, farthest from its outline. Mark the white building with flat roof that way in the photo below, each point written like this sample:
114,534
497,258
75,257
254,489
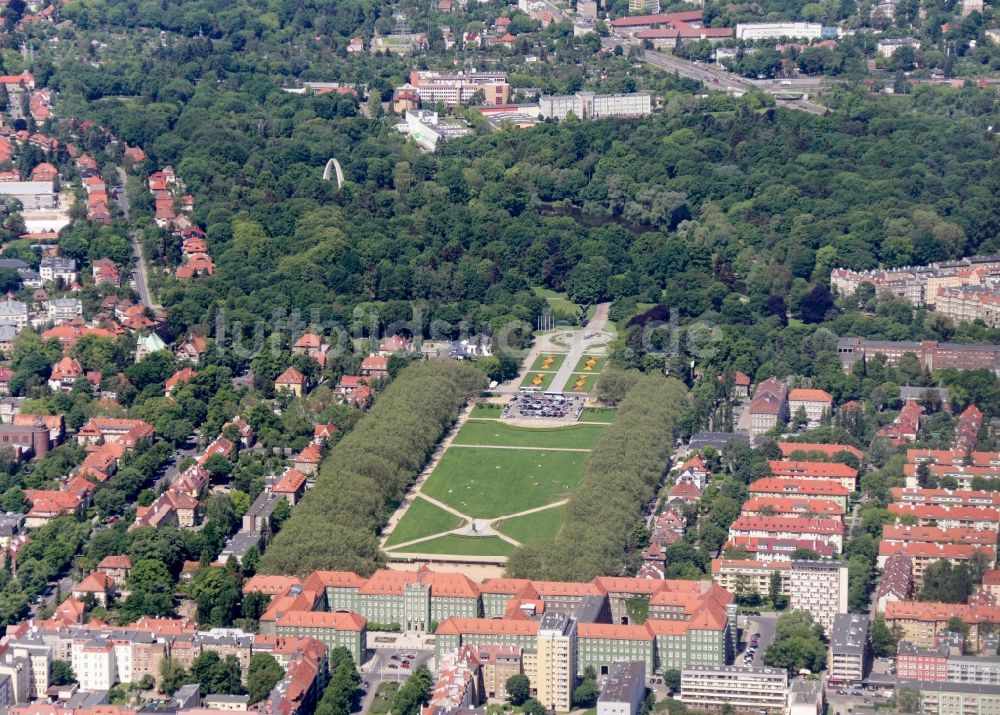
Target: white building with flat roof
710,687
777,30
587,105
819,587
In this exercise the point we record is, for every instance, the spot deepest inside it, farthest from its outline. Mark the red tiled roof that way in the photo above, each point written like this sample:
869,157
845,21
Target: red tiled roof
802,394
789,448
291,376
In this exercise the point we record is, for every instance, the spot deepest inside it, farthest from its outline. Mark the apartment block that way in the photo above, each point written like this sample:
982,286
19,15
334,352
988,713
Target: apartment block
819,587
808,471
743,577
950,517
921,622
850,651
754,690
913,663
829,531
944,698
920,285
556,662
922,555
819,489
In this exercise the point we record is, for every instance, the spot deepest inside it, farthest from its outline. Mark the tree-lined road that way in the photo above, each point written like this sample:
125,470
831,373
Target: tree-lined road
139,270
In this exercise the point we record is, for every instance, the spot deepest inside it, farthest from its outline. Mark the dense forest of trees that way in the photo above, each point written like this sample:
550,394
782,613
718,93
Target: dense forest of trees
367,473
619,479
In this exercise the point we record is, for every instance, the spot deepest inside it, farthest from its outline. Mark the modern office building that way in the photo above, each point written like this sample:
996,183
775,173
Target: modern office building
756,690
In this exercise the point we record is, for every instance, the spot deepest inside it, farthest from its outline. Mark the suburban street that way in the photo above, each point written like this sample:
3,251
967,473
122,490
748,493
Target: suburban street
139,269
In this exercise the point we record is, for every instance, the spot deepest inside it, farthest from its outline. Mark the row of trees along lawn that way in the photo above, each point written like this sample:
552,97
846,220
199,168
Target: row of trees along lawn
367,474
619,479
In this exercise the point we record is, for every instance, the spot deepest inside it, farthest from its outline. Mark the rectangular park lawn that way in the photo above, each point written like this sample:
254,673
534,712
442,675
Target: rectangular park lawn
578,436
487,483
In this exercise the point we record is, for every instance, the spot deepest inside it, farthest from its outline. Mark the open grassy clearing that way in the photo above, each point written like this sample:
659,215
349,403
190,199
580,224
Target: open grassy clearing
540,526
420,520
487,483
579,436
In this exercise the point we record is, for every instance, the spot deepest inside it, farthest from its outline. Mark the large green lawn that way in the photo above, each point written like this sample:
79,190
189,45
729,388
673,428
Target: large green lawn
540,526
579,436
487,483
465,545
422,519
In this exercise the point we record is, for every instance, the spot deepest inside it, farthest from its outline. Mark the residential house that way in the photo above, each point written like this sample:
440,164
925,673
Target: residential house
291,380
375,366
312,345
64,374
308,460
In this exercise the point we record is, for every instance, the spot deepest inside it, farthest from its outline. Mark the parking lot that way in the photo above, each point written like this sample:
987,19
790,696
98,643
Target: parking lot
757,633
387,665
544,406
